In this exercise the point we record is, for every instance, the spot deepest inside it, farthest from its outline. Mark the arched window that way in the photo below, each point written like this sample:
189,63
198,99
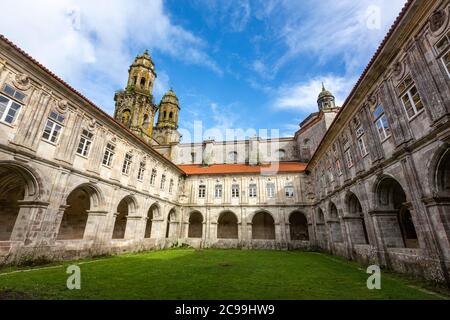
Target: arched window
171,115
75,216
123,209
280,155
152,213
195,225
263,226
298,227
233,157
335,224
443,174
227,227
358,230
170,220
392,198
143,81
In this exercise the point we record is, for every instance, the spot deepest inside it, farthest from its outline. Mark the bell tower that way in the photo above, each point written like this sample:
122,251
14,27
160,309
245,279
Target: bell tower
166,132
135,108
326,99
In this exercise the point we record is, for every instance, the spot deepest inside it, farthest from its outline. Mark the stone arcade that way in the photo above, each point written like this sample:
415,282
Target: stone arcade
369,181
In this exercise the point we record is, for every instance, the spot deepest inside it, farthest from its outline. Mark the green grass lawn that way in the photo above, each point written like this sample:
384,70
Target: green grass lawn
210,274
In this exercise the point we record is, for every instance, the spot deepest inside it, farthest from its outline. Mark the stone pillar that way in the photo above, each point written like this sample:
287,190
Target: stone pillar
70,137
96,219
133,227
29,221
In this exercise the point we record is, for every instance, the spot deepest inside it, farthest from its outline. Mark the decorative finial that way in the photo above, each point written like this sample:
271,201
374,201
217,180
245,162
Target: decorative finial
323,87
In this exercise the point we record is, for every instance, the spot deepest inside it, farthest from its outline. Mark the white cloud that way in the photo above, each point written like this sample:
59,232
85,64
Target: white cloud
303,96
346,29
95,41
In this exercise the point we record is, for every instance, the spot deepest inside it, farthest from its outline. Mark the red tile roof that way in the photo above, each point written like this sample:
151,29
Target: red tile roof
244,168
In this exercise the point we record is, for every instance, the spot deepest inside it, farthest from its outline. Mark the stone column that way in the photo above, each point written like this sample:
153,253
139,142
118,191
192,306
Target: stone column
96,219
132,227
29,221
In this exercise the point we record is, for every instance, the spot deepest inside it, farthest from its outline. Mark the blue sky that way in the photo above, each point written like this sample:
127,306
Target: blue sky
234,64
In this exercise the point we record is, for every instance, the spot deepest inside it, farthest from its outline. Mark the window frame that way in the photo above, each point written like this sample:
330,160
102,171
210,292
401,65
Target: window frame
162,185
108,155
218,191
141,171
8,108
235,192
153,177
406,93
202,191
270,187
252,190
287,188
127,162
84,146
55,122
349,158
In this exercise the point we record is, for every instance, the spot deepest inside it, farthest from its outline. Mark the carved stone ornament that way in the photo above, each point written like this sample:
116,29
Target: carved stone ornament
91,125
437,20
398,70
372,100
62,106
22,82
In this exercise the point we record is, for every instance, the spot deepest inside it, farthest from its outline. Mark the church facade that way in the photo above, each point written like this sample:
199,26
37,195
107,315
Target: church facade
369,181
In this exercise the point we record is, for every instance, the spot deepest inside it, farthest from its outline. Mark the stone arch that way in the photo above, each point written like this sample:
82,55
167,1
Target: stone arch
391,200
356,222
227,226
263,226
126,207
195,225
320,215
334,223
79,202
18,184
171,220
298,226
152,213
441,172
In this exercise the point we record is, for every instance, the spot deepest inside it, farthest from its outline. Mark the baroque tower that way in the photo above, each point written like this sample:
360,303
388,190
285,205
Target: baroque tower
135,108
165,132
326,99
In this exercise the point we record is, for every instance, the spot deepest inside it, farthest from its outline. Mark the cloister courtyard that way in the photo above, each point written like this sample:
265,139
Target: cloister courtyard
212,274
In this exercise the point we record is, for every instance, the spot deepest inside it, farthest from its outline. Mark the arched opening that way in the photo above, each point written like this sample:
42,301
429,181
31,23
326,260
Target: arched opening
320,216
124,208
391,198
143,81
443,174
171,218
152,213
263,226
171,115
298,227
164,115
227,227
357,225
12,191
195,225
335,224
75,216
126,115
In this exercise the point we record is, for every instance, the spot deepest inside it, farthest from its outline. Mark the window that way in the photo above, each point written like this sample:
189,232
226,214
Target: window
339,167
270,190
109,154
384,132
127,163
218,192
85,143
13,93
348,158
171,183
252,190
280,154
289,191
410,97
362,146
443,47
163,182
9,110
202,191
141,171
53,127
235,191
233,156
153,177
